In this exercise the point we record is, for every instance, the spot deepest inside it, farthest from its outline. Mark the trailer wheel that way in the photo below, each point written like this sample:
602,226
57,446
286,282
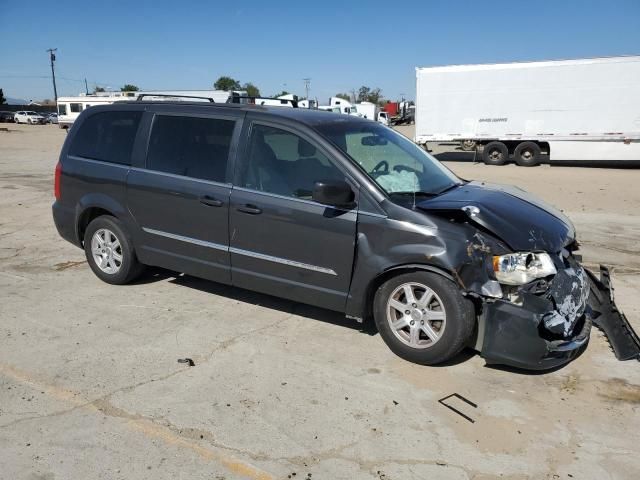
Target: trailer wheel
495,153
468,145
527,154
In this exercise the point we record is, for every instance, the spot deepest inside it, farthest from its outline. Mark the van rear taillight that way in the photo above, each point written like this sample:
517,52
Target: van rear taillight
56,183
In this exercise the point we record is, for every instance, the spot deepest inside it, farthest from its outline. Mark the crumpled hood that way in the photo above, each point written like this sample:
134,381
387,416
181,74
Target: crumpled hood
516,217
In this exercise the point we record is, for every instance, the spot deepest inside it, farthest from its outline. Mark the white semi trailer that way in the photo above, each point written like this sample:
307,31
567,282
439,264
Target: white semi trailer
584,110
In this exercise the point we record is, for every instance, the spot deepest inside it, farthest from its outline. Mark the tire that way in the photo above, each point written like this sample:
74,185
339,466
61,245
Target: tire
117,243
445,338
527,154
468,145
495,153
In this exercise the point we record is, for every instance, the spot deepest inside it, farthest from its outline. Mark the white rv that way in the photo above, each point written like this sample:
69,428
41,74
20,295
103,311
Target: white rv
70,107
572,110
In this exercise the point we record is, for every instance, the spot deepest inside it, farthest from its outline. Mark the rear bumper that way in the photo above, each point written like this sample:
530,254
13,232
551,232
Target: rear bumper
65,221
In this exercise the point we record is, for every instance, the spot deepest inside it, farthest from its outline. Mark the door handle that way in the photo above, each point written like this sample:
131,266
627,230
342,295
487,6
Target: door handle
210,201
250,209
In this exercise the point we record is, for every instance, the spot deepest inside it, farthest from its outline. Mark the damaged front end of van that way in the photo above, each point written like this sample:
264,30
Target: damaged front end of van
535,302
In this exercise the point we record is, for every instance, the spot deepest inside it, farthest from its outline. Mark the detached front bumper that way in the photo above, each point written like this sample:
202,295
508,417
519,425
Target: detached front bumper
527,335
514,336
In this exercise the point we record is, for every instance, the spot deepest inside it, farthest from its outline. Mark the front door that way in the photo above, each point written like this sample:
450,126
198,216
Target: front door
282,242
180,199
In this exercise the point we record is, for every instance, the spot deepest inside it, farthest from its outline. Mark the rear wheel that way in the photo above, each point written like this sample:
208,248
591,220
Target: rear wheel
468,145
495,153
527,154
423,317
109,251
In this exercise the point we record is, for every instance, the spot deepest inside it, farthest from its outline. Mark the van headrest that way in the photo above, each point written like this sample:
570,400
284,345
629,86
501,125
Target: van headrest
305,149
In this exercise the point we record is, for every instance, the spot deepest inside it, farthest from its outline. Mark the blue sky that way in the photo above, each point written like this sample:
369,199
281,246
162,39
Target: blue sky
340,45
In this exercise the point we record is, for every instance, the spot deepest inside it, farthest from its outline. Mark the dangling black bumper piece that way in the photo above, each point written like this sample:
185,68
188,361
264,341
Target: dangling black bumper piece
607,317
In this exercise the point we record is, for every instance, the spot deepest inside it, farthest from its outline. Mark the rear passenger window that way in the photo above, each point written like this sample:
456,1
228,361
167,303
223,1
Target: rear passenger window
76,107
190,146
107,136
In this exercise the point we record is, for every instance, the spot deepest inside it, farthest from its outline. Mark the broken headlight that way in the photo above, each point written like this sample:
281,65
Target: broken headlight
523,267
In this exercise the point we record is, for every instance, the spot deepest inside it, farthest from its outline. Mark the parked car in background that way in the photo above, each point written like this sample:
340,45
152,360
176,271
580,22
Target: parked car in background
51,118
335,211
27,116
6,117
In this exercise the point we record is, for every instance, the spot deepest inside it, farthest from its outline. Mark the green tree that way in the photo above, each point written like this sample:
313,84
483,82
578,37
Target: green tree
3,100
375,96
344,96
363,94
129,88
251,89
282,93
98,89
366,94
226,84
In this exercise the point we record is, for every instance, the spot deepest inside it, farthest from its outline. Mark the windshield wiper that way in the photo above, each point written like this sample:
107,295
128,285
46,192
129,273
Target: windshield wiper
422,193
418,193
450,187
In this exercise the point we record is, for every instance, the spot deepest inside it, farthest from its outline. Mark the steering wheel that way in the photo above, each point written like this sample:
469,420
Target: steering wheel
400,168
381,168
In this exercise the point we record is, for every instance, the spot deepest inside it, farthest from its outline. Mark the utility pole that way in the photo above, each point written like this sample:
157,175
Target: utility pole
307,82
52,57
86,88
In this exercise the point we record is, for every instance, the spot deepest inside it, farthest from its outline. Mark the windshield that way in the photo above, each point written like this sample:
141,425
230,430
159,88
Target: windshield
395,163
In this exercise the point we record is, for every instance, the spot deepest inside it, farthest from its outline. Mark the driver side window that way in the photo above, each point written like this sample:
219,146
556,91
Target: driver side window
283,163
386,157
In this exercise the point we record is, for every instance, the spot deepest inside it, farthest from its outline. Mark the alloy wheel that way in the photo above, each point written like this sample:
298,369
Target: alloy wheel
107,251
416,315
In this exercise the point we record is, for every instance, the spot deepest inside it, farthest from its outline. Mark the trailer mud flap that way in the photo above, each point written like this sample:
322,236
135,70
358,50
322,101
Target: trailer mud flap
607,317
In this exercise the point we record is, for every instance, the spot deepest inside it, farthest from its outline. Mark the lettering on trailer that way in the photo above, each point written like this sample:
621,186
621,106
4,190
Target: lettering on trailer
492,120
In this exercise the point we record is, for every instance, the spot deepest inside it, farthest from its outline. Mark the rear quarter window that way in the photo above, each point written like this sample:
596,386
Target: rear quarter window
107,136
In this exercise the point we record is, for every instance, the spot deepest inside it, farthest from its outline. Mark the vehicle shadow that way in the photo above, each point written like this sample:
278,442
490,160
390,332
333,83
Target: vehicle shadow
154,274
458,156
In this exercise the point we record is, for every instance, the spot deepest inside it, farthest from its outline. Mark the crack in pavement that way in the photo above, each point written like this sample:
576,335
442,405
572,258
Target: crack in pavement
168,432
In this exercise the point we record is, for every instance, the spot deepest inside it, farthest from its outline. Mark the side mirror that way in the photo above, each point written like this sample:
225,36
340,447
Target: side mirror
336,193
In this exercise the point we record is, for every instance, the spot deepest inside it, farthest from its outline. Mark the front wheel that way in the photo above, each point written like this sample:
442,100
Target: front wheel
423,317
109,251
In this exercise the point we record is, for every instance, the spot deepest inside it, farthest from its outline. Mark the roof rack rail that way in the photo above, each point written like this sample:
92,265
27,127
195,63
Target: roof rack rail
249,100
142,95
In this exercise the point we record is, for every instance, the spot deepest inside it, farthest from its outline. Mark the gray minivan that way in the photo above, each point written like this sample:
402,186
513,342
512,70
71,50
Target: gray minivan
334,211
